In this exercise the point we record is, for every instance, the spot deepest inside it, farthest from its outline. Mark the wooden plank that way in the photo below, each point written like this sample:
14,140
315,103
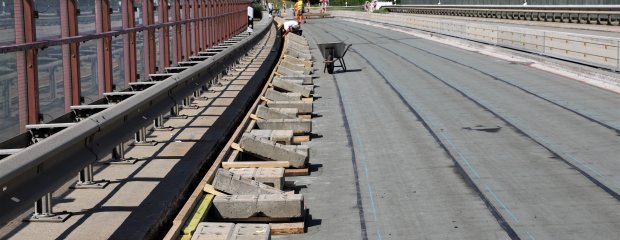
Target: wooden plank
255,164
198,215
253,117
250,126
236,146
299,139
287,228
255,219
234,155
296,172
211,190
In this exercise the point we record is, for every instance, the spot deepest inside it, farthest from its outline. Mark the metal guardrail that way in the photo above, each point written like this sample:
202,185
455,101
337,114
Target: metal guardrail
599,14
587,49
29,174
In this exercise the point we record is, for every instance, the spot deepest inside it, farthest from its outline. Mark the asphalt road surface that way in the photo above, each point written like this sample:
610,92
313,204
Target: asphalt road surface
421,140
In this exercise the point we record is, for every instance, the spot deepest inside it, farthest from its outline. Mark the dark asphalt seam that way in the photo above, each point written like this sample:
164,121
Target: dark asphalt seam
592,119
499,218
359,203
515,128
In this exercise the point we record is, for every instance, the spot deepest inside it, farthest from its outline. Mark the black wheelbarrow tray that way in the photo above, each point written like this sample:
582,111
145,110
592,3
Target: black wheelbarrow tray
333,52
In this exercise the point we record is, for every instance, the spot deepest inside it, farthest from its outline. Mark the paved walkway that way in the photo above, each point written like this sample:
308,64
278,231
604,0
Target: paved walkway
142,196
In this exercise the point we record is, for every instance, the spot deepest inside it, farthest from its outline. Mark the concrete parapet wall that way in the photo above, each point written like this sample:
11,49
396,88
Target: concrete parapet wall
589,49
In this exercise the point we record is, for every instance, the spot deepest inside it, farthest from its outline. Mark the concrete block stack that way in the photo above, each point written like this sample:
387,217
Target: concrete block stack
285,115
276,134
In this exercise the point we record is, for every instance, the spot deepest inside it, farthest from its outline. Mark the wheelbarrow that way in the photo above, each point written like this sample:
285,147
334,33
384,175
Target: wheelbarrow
332,53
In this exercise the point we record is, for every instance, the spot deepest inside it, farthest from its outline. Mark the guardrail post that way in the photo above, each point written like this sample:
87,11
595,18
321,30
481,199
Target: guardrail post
118,155
174,111
43,211
140,138
158,124
197,93
187,103
86,180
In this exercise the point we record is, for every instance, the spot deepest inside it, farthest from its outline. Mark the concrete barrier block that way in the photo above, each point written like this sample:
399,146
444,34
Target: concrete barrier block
265,205
275,95
262,133
299,46
291,87
272,151
235,206
244,172
298,39
298,61
301,149
251,231
305,79
287,71
296,67
289,111
230,183
297,51
213,231
282,136
268,113
278,136
297,54
270,176
281,206
302,107
298,126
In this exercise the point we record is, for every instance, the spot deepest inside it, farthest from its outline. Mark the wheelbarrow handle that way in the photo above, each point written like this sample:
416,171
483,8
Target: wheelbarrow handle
346,49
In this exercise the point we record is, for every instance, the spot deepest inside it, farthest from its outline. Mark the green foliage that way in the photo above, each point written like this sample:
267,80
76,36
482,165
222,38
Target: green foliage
258,10
381,10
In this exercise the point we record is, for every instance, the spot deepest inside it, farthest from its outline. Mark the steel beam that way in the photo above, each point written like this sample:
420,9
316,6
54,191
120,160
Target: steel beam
178,46
164,36
70,54
148,57
129,42
104,47
26,63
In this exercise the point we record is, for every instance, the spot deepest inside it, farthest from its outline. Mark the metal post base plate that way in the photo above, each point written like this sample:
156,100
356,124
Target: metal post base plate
145,143
190,107
126,161
56,218
176,117
163,129
100,184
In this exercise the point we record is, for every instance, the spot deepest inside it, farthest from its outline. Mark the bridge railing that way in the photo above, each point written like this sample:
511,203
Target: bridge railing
46,155
586,14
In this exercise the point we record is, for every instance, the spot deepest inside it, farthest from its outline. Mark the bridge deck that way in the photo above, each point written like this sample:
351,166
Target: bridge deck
429,141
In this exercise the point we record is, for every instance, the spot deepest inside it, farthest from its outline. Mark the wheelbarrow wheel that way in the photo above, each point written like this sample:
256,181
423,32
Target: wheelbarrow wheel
330,62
